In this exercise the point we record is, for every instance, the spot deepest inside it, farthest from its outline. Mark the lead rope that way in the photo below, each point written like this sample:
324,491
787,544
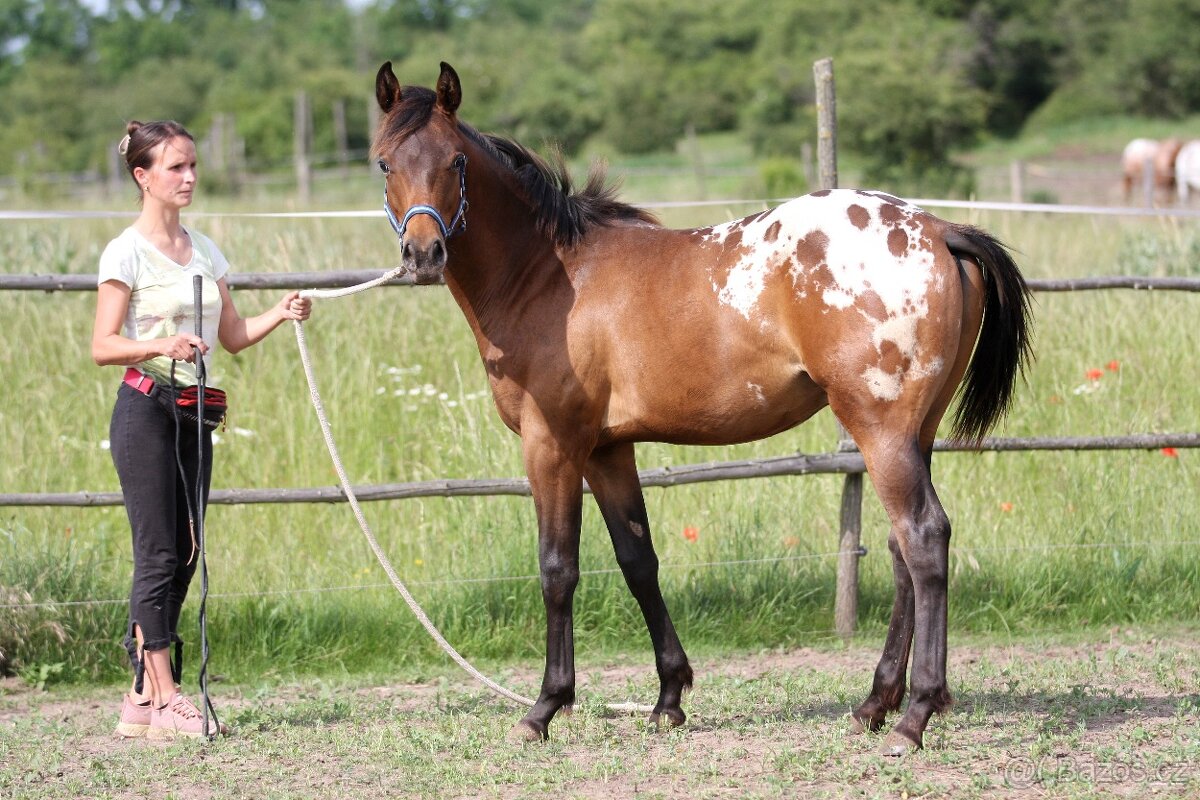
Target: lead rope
384,561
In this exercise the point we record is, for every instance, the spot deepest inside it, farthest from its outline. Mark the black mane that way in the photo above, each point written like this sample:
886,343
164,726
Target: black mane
563,214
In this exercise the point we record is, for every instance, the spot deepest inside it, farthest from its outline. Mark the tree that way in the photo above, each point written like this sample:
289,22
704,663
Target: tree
905,102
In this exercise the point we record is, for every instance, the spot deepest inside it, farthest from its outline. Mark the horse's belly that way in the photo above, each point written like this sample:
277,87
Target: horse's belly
720,412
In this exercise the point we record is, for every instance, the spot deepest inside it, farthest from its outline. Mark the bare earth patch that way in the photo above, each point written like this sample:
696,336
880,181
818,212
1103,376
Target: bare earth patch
1118,716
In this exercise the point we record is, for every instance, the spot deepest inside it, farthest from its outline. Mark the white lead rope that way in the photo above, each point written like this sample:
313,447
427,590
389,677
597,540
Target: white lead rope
384,561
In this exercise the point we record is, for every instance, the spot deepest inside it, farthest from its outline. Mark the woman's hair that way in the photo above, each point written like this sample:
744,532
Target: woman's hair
141,138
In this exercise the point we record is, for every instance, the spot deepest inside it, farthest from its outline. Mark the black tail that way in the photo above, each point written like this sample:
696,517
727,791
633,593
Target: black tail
1004,346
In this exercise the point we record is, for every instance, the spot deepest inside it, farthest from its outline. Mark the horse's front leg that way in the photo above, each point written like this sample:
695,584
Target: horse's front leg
556,480
612,475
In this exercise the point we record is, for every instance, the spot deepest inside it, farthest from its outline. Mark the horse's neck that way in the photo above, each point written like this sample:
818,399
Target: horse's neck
499,279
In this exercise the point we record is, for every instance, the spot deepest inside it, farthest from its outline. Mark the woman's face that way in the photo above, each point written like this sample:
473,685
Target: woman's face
172,179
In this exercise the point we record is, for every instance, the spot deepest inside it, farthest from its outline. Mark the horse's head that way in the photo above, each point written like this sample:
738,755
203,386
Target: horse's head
419,150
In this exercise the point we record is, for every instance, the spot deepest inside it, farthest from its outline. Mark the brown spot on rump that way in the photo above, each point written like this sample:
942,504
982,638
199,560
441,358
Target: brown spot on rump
897,242
810,251
772,232
891,360
891,214
859,216
734,240
821,193
871,305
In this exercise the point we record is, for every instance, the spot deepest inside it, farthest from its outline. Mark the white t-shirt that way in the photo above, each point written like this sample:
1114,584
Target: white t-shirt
161,300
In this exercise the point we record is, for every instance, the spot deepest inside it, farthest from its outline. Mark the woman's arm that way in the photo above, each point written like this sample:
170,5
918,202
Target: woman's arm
109,346
236,333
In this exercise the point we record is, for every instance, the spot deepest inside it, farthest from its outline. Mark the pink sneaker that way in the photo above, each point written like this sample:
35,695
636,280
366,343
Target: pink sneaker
179,717
135,719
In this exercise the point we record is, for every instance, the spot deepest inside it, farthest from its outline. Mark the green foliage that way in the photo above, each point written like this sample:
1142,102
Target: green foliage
782,177
906,130
39,676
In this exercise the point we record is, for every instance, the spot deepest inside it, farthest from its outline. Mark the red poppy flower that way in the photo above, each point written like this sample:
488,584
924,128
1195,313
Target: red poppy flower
1170,452
1113,365
1095,374
691,534
1006,507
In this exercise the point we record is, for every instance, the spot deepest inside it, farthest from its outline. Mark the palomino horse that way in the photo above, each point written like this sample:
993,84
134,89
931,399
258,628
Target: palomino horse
599,328
1159,156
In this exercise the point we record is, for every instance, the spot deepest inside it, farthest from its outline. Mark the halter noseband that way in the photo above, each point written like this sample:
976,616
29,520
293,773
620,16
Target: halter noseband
457,225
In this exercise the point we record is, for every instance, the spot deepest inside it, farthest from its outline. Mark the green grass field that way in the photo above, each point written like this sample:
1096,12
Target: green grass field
1043,541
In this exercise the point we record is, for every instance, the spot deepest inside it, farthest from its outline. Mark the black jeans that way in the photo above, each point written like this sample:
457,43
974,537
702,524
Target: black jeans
143,443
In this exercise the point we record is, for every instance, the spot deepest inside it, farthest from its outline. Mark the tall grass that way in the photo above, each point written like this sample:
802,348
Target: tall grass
1042,540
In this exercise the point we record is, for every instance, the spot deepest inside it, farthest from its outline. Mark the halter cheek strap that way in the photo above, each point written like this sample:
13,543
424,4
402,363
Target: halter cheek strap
457,225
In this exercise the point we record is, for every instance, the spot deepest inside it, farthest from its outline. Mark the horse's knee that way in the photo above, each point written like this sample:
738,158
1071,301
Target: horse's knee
559,579
926,545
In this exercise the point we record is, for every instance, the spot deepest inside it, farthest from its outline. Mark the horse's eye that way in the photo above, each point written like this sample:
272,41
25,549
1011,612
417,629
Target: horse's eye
383,167
460,161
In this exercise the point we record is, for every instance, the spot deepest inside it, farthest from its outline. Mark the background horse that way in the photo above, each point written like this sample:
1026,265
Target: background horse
1161,157
1187,169
599,328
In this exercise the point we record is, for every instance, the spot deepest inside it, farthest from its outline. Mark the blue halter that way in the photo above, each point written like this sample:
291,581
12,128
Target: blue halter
457,225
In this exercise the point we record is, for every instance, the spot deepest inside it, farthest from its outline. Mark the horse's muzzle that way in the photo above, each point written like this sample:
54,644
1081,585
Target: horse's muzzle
426,263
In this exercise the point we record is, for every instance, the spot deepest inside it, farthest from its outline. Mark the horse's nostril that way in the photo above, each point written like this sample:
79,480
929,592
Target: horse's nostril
407,252
439,252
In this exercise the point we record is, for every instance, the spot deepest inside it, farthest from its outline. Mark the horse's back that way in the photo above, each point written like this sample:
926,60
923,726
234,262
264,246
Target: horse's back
754,321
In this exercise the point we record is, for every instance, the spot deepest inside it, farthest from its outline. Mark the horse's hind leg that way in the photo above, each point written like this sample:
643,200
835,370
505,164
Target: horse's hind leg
920,541
891,674
611,473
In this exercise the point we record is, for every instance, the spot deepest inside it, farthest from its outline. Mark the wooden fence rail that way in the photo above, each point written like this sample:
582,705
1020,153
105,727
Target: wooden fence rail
846,462
340,280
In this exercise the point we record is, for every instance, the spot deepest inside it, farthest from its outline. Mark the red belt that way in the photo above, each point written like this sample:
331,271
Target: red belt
139,380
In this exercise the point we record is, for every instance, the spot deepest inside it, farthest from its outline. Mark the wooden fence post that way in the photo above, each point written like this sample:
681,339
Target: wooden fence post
1016,173
302,146
340,137
845,607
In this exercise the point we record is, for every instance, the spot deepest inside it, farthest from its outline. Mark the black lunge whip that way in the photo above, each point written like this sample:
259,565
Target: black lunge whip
206,705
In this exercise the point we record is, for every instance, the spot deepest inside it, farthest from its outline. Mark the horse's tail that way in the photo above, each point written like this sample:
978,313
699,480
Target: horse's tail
1004,346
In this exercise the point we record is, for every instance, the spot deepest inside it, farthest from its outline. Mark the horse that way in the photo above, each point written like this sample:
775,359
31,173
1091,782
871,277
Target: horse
599,328
1161,157
1187,169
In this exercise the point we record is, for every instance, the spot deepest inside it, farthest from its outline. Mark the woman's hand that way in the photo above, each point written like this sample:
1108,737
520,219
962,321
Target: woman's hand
180,346
293,306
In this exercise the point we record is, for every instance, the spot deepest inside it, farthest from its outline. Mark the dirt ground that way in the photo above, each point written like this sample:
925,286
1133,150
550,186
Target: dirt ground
1115,716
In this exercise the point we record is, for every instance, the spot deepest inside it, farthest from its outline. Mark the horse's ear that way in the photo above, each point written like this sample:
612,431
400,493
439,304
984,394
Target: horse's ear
387,88
449,90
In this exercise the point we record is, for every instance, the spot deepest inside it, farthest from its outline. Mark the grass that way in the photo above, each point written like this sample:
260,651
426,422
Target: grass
1041,539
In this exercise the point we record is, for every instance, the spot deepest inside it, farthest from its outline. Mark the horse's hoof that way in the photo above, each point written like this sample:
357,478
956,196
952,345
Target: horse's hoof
896,744
566,711
856,725
667,719
524,732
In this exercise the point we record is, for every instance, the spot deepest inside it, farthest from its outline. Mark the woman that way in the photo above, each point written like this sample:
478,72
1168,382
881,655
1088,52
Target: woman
145,318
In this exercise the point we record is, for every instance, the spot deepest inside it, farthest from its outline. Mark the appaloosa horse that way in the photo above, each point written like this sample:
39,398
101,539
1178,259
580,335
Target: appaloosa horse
599,328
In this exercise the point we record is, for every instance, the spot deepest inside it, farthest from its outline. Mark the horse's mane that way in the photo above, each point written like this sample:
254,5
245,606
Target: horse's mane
563,214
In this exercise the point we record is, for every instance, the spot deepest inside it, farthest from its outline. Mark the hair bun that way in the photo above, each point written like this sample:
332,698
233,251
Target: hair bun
132,127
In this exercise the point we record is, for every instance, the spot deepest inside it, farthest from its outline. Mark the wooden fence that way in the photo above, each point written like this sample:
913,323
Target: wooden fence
845,460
